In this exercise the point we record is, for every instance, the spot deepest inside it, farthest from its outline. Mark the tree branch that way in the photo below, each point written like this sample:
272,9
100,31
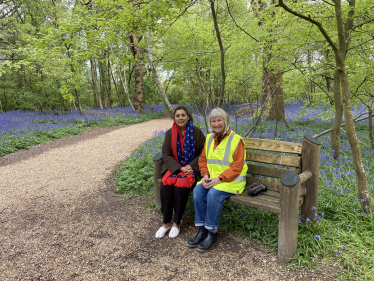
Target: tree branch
359,86
307,18
329,130
362,23
228,9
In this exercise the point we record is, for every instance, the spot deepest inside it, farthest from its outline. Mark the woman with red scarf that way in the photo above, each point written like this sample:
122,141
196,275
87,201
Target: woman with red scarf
181,149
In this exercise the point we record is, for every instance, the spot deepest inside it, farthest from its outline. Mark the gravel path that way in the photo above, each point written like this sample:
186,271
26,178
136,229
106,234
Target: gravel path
60,219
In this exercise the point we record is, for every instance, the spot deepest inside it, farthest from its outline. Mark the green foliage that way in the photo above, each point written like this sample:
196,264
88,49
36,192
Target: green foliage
16,142
135,176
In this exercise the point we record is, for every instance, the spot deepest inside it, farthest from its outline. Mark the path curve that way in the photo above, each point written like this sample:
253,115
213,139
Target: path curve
60,219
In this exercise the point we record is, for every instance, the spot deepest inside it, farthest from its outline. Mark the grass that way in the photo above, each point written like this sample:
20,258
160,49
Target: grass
343,235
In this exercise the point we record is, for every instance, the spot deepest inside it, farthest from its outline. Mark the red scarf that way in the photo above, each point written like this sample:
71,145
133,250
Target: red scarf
180,179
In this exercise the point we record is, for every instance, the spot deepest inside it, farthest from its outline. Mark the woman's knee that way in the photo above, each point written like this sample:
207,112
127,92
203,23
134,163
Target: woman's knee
198,191
216,196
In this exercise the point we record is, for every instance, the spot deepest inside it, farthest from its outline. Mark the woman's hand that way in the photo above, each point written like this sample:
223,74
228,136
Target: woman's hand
187,170
208,183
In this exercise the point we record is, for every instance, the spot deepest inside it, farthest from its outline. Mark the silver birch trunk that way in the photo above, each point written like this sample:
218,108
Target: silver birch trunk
157,79
124,85
343,36
335,133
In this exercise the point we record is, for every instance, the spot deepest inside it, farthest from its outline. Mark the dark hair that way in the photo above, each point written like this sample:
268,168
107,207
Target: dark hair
182,107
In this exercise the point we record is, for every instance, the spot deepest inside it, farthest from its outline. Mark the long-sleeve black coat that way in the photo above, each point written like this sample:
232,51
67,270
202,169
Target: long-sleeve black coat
167,153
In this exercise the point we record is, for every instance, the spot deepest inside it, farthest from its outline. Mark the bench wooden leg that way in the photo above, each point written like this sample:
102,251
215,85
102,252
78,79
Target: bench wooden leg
289,217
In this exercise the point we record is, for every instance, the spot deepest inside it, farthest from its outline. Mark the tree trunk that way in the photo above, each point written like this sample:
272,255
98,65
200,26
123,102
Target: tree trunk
335,133
276,111
363,191
103,83
273,98
48,97
62,100
79,101
124,85
5,98
370,109
343,36
222,52
157,79
109,84
115,85
267,89
138,71
94,95
96,84
40,107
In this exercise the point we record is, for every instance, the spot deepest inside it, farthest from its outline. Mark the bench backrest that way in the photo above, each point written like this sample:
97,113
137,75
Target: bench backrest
279,153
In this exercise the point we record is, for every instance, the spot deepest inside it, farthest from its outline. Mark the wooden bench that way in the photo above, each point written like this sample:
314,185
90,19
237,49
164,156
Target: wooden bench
297,186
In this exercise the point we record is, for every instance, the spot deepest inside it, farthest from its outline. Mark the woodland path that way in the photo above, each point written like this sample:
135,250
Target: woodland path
60,219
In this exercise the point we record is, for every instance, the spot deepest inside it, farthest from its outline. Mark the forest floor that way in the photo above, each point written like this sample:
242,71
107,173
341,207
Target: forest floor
60,219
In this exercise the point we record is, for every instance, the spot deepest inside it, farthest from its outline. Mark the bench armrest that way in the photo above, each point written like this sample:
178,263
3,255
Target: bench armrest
304,176
157,165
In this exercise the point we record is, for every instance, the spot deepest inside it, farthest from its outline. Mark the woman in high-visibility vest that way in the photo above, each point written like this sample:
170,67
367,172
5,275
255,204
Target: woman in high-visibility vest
223,168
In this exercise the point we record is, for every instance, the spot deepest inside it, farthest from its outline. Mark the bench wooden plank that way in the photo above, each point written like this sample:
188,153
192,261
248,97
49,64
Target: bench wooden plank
274,159
268,171
273,145
264,196
254,202
271,196
271,193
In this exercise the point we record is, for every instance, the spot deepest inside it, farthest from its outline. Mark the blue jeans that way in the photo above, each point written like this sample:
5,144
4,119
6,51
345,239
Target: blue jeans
208,205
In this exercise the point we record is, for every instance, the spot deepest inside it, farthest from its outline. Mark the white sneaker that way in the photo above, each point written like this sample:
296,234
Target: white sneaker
162,231
174,232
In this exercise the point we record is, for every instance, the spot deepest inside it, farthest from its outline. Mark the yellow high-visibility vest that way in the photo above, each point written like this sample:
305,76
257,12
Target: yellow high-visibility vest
221,158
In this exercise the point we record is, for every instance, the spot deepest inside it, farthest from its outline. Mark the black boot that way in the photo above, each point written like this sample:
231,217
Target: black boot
208,242
200,236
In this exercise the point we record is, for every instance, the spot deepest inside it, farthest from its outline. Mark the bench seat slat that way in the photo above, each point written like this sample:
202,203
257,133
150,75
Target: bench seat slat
264,196
272,145
268,171
271,196
274,159
255,202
